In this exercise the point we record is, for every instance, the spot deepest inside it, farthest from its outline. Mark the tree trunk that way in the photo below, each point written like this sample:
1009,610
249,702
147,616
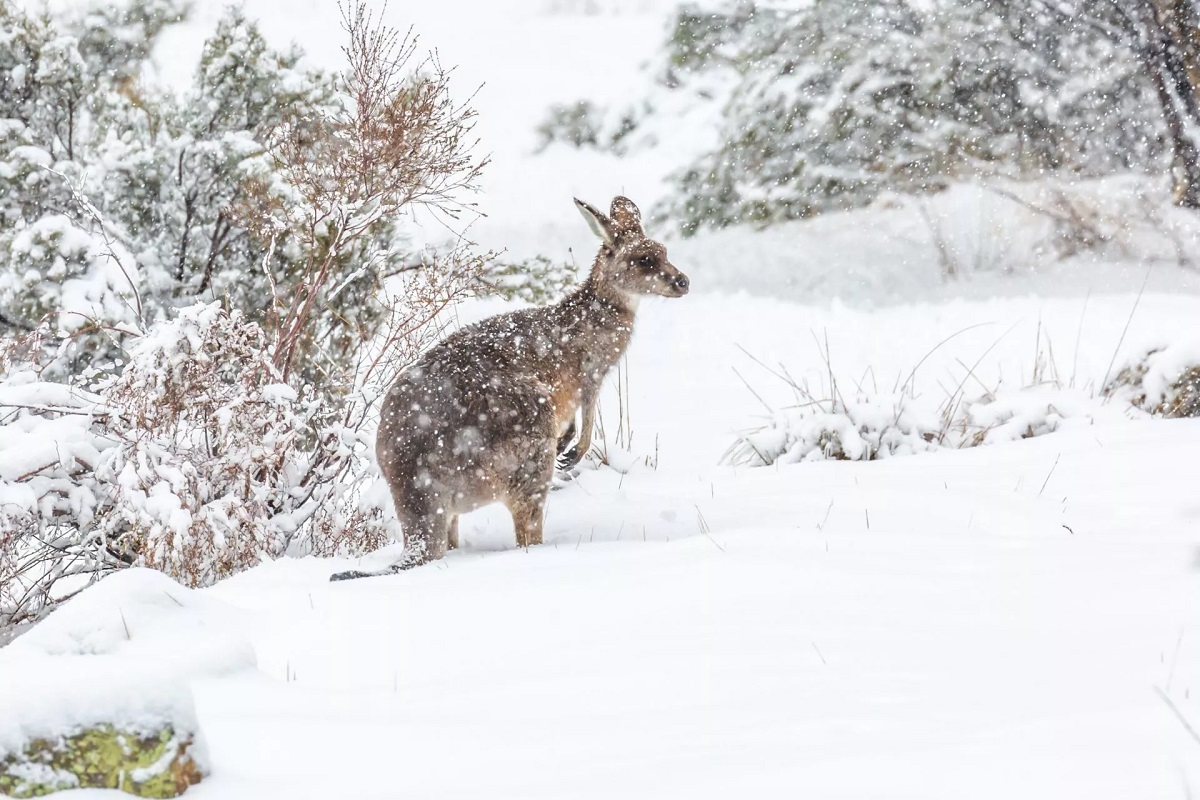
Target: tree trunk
1186,157
1171,55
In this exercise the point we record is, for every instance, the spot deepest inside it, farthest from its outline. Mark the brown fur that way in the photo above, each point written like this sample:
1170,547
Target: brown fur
482,416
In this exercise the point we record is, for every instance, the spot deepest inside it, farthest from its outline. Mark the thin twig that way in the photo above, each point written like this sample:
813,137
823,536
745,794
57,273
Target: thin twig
1052,468
1178,714
1079,337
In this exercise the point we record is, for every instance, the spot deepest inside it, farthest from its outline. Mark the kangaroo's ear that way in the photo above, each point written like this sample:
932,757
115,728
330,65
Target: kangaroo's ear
601,225
625,215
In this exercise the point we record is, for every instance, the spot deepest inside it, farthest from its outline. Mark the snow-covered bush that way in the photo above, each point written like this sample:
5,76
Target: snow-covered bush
197,460
214,449
865,429
1006,225
215,435
121,200
60,98
1007,415
85,283
877,426
1164,381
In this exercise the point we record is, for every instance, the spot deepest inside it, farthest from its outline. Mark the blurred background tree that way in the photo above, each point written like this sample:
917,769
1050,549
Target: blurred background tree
826,106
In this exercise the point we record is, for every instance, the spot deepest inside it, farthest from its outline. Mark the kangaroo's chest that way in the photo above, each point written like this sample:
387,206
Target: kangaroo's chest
566,399
588,358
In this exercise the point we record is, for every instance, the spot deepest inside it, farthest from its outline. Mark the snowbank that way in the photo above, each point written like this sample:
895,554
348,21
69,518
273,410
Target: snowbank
121,655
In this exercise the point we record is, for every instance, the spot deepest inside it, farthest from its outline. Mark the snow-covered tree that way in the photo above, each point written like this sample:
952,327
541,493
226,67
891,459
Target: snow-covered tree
824,106
1157,46
122,201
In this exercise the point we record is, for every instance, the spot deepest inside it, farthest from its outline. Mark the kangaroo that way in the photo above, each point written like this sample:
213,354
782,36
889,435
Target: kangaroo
486,414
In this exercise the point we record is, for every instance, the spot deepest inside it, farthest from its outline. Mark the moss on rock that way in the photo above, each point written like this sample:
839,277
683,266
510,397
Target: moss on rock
103,757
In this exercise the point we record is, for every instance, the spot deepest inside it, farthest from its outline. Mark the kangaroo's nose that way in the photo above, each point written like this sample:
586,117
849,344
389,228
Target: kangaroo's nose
682,283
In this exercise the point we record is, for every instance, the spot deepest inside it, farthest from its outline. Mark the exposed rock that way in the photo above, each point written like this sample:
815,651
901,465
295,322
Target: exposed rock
98,693
145,765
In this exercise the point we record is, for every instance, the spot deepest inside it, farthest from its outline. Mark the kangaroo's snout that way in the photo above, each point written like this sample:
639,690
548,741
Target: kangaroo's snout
681,284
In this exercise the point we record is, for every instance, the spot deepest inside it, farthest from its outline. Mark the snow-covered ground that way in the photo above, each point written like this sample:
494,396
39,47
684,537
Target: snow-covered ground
924,628
1003,622
1015,620
916,628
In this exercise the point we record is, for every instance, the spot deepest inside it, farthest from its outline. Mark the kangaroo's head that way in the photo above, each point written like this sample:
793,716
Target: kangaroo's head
629,261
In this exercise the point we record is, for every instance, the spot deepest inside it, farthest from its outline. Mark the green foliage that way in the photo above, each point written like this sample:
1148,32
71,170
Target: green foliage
697,34
142,764
584,124
825,106
189,175
536,280
837,102
116,39
61,101
577,124
169,178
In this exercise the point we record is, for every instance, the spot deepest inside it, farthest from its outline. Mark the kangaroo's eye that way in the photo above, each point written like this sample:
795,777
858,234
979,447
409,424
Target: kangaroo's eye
645,262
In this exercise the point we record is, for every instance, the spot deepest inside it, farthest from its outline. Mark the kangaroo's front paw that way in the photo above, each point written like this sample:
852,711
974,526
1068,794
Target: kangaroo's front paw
565,440
563,478
569,459
564,470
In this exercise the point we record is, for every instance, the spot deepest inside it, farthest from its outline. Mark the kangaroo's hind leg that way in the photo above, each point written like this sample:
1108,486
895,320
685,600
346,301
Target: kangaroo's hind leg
426,538
526,498
528,514
426,534
452,534
528,460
